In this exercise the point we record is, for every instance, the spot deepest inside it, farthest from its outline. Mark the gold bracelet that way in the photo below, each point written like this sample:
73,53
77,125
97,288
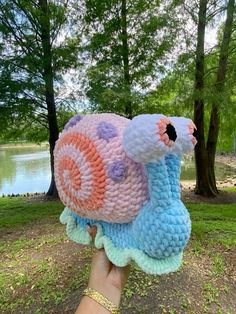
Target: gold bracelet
99,298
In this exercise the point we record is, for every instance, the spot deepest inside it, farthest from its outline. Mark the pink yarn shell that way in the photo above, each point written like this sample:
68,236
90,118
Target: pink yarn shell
94,176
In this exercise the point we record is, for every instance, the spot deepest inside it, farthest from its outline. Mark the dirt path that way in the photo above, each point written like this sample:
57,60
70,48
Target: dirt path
224,197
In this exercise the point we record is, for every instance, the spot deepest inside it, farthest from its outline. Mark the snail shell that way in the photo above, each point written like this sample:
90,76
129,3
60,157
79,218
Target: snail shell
94,176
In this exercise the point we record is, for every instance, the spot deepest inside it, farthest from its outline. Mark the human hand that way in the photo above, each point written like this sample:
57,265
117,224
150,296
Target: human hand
105,277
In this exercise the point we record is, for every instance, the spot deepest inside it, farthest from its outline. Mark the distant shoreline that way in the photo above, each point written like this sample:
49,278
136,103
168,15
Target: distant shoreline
13,145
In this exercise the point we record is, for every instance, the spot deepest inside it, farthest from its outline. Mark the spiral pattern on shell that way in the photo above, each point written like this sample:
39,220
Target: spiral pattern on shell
94,176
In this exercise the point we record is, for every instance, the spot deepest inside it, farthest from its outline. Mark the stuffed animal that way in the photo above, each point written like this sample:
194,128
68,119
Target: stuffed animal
123,176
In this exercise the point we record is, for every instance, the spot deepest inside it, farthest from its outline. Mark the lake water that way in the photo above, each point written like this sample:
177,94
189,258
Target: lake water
27,169
24,169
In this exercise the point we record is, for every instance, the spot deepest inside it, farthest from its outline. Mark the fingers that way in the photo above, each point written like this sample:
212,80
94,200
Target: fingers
92,230
102,267
100,262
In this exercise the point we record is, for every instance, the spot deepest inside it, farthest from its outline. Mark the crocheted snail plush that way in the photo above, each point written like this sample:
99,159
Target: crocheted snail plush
123,176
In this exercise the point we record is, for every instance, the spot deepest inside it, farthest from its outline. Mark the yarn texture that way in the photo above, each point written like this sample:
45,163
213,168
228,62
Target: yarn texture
123,176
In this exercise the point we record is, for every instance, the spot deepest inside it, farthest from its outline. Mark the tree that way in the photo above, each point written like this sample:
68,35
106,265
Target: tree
218,89
200,152
205,151
127,45
36,49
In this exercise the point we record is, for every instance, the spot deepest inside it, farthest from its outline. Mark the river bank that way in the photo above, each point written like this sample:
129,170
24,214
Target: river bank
228,159
226,187
20,162
23,145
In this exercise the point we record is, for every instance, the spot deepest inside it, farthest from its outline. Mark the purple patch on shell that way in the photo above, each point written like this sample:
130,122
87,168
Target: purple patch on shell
73,121
117,170
106,131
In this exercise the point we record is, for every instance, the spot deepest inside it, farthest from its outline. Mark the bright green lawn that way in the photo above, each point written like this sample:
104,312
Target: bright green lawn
214,222
229,189
209,221
17,210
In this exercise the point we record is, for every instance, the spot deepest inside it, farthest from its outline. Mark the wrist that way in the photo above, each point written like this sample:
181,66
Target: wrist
89,305
107,305
111,292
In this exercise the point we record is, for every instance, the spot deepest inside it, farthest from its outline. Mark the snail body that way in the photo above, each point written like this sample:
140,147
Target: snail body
123,176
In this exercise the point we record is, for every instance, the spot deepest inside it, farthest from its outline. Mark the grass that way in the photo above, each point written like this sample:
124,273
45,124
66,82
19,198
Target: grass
44,281
32,276
39,279
214,223
211,293
19,210
218,264
14,248
208,220
229,188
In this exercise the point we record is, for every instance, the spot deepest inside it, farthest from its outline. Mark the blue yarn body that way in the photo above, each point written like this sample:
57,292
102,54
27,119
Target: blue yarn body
162,227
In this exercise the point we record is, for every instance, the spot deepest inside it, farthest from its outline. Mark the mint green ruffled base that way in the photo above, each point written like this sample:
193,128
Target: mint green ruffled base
118,256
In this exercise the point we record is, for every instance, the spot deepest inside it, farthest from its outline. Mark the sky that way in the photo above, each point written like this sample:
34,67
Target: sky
211,37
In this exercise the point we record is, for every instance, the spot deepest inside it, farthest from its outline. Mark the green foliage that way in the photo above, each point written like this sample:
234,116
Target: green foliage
227,134
23,109
174,95
127,43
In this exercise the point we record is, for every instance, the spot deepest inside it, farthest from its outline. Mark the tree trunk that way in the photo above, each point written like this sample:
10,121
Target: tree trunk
48,77
125,57
201,157
219,86
211,146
